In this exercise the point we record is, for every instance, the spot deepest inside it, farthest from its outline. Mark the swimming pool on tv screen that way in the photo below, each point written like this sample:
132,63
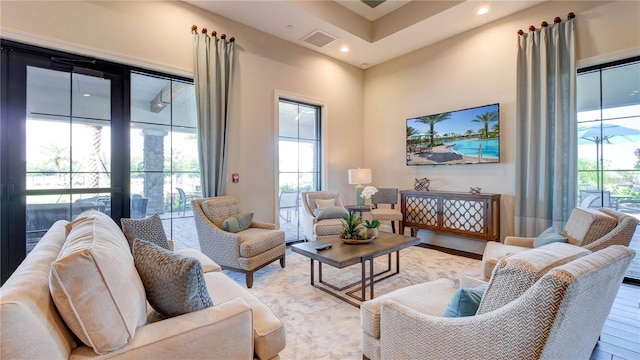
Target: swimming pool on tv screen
490,147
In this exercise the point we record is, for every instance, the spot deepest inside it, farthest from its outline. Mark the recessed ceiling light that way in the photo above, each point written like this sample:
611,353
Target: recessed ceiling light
483,10
344,49
86,94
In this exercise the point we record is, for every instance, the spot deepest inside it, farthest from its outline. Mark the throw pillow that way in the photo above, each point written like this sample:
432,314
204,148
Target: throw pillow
320,204
465,302
332,212
549,236
95,286
174,283
148,229
237,223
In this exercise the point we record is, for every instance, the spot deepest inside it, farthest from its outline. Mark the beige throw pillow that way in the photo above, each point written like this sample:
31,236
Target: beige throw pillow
321,204
95,286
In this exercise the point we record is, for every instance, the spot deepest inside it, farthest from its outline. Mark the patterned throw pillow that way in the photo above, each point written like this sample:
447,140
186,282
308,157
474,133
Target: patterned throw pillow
174,283
148,229
237,223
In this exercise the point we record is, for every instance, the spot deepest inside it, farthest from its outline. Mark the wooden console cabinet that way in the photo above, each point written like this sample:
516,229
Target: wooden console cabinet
470,215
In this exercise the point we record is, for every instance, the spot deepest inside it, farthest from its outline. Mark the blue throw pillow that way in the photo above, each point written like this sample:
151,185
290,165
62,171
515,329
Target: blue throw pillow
331,212
465,302
238,222
549,236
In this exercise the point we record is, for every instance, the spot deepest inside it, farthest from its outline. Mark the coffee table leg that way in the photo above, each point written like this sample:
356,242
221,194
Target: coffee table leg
312,275
364,278
371,275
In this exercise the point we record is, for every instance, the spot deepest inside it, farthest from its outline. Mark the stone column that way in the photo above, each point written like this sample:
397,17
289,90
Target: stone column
153,170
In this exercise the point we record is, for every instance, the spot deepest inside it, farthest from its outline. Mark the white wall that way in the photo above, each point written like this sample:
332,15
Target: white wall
472,69
157,35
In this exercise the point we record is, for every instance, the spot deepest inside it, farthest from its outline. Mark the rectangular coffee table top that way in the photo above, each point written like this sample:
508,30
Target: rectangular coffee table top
341,255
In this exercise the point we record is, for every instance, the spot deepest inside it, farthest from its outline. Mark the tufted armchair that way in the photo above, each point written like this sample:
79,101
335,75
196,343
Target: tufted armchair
588,228
315,228
245,251
538,304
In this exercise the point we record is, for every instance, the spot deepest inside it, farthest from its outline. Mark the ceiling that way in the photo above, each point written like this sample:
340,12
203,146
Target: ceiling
373,35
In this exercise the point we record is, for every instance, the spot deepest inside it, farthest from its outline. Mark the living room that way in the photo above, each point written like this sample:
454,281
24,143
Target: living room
365,109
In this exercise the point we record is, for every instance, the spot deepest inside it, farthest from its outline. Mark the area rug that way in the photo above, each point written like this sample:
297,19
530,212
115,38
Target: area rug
321,326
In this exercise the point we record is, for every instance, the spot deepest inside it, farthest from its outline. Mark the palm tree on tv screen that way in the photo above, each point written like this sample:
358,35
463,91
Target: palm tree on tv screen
485,119
431,120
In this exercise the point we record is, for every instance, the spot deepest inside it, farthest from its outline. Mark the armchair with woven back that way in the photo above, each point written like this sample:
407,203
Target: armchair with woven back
233,239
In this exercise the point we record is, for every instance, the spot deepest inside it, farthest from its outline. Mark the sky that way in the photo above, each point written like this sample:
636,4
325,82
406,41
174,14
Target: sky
459,122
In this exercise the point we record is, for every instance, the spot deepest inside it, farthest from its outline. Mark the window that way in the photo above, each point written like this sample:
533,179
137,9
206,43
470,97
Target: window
608,104
609,136
299,167
165,173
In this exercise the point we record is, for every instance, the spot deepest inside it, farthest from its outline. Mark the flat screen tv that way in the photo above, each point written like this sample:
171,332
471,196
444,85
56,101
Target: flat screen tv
469,136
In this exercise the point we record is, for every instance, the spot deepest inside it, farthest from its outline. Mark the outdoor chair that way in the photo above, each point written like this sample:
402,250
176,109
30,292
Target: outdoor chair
245,246
588,228
289,200
387,196
184,200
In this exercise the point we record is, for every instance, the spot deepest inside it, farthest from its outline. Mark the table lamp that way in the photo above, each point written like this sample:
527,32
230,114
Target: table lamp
359,177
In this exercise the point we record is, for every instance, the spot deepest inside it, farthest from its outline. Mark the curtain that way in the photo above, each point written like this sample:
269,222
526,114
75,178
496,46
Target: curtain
213,74
546,128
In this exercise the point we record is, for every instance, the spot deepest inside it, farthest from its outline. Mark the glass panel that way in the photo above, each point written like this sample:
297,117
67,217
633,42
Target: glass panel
288,159
42,212
307,122
91,149
185,150
48,152
184,104
288,121
308,156
288,181
150,99
48,92
620,91
91,97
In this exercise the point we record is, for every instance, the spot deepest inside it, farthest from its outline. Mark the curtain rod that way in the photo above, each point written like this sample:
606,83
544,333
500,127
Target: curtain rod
194,28
544,24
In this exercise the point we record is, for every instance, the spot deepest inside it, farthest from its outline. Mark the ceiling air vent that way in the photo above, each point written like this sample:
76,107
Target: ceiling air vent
373,3
319,38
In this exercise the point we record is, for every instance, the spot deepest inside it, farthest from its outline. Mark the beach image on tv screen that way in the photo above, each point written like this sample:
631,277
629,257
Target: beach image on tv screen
469,136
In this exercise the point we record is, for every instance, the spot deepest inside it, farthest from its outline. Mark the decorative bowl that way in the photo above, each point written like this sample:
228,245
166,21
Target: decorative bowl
357,241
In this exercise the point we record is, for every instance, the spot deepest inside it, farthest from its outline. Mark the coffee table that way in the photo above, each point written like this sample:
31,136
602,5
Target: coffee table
341,255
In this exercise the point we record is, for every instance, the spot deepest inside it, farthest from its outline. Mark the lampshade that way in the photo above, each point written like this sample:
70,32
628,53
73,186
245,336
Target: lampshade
359,176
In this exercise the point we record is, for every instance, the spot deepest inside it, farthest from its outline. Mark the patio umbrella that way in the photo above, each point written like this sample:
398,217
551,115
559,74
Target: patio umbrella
607,133
601,133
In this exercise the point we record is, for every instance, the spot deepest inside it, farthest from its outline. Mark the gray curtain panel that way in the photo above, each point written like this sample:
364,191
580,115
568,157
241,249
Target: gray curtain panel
546,129
213,77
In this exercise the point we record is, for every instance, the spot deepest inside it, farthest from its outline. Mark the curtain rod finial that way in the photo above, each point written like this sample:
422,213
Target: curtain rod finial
557,20
532,28
520,32
214,33
544,24
571,16
232,39
204,30
223,36
194,28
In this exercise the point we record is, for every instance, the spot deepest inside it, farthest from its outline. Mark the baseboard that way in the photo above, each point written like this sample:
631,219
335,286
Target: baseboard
451,251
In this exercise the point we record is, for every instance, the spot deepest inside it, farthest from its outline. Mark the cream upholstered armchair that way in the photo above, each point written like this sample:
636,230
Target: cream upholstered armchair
539,304
589,228
389,197
329,223
246,250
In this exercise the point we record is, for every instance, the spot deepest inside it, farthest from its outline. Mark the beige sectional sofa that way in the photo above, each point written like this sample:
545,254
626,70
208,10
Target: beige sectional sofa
237,326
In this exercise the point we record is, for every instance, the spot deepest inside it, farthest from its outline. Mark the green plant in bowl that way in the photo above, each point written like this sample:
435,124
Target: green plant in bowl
351,227
373,224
